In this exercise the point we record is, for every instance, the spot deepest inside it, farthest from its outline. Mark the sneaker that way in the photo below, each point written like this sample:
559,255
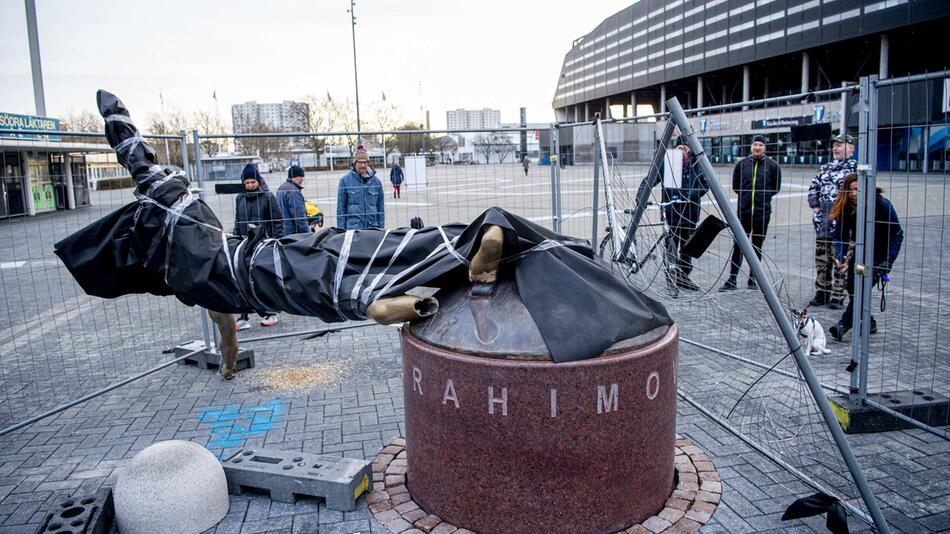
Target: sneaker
836,304
751,284
683,281
243,325
269,320
873,328
730,285
821,298
838,331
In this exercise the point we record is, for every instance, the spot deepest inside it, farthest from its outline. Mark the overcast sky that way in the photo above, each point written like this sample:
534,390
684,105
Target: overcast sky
473,54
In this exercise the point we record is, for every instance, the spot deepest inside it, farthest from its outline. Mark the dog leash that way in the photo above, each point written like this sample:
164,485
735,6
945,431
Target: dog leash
881,285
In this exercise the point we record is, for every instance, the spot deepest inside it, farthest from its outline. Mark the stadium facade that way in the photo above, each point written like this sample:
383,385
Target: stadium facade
725,51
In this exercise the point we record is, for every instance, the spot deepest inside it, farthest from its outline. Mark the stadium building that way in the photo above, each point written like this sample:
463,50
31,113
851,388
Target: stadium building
725,51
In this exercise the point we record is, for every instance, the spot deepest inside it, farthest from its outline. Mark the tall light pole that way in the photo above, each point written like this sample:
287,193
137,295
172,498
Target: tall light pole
34,38
356,77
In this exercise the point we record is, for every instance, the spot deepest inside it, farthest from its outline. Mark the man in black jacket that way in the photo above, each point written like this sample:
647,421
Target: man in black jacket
756,179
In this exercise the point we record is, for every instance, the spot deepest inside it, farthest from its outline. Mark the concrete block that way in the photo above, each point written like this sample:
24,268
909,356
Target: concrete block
208,358
287,474
924,405
89,514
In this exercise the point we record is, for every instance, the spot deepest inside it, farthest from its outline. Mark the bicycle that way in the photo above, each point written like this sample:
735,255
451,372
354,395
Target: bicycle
638,261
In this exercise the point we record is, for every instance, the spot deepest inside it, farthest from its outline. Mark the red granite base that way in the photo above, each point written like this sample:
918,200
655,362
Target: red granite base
691,505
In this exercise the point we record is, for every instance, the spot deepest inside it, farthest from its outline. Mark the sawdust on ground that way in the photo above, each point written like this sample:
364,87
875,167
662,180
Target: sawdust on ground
292,378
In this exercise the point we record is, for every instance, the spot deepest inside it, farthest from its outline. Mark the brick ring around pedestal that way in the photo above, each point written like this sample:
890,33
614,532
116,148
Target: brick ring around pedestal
691,505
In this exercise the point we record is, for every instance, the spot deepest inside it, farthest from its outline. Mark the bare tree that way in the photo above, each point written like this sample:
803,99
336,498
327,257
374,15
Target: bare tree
444,144
502,146
173,123
483,146
268,148
82,121
209,122
412,143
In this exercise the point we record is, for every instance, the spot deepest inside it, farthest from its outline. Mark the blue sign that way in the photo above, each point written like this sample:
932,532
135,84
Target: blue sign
819,113
702,125
10,121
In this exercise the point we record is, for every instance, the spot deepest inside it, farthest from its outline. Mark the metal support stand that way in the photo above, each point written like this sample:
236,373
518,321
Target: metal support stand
596,199
864,240
555,192
205,326
788,330
608,186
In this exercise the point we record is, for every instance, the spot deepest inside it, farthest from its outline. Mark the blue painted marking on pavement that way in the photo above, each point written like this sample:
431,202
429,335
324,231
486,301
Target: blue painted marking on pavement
232,425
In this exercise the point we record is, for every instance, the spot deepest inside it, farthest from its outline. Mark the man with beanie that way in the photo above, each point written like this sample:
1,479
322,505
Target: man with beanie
360,201
256,207
755,179
829,282
292,202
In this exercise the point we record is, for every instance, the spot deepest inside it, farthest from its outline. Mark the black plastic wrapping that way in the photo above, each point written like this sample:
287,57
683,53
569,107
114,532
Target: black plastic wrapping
168,242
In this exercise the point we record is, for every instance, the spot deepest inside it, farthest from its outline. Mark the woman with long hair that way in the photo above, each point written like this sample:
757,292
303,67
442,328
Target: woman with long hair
888,237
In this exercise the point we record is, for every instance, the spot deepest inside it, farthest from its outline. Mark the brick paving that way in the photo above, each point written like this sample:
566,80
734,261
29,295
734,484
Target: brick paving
56,344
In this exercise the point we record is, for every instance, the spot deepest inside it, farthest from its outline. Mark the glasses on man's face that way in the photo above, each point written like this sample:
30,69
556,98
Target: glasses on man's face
362,161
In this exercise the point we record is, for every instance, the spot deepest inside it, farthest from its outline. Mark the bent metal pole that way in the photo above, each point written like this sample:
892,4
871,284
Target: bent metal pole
788,331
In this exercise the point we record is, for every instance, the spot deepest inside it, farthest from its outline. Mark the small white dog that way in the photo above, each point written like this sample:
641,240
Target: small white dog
810,328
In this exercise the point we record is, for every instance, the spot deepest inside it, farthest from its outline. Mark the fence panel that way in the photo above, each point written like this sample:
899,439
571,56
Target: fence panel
907,356
59,343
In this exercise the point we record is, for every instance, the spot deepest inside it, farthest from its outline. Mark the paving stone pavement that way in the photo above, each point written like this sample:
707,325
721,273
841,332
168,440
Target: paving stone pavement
57,344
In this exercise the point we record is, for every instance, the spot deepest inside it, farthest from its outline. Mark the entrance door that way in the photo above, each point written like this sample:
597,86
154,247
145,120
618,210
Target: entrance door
12,201
80,180
41,184
57,175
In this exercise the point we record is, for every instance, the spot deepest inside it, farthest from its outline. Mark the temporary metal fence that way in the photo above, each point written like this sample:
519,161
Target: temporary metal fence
580,180
766,401
58,343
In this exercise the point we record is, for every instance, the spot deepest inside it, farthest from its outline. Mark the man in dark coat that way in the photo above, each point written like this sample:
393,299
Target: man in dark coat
755,179
683,213
292,202
396,177
256,207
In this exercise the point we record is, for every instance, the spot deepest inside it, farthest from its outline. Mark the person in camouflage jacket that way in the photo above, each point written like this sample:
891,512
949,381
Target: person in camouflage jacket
829,282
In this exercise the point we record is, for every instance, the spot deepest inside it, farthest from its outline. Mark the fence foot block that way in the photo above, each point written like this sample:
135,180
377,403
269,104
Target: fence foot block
288,474
211,358
924,405
89,514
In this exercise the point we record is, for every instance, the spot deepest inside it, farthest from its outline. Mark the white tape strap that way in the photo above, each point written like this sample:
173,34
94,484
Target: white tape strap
131,141
444,245
364,298
449,245
341,267
359,281
119,117
542,246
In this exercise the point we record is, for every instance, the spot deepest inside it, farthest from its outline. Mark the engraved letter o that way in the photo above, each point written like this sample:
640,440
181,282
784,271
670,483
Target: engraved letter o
653,390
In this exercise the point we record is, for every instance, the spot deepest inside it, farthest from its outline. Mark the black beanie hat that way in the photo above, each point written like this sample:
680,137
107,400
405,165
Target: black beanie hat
760,138
294,171
249,172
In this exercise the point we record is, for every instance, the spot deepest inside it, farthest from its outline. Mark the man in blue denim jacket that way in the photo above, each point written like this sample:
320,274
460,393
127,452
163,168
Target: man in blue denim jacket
360,202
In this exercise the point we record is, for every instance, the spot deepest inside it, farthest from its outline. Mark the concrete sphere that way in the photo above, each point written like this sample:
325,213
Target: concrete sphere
171,486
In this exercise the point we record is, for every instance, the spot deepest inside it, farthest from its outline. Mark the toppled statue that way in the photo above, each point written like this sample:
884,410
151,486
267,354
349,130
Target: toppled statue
169,242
